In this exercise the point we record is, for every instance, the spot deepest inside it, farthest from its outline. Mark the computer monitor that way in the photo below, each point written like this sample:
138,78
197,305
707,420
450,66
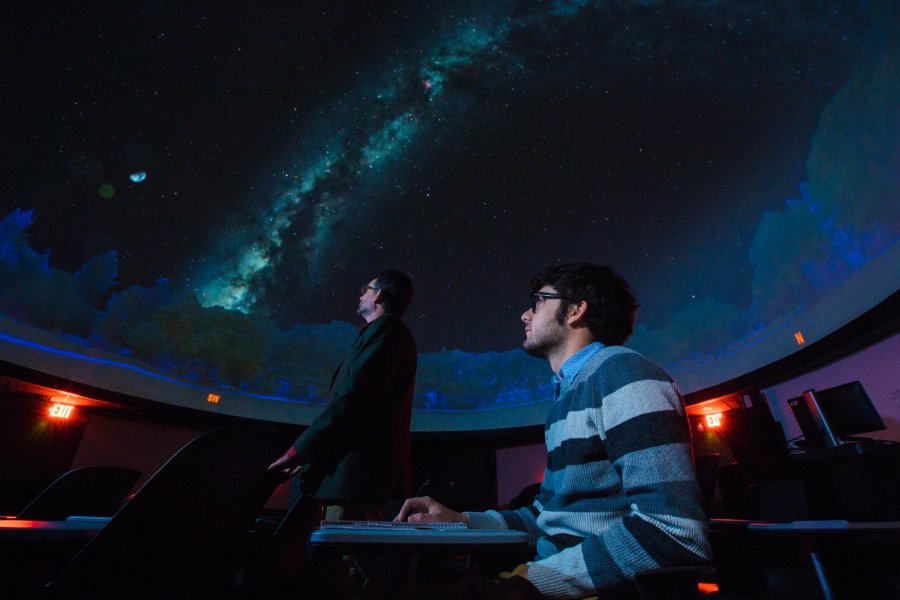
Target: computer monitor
849,410
812,435
840,412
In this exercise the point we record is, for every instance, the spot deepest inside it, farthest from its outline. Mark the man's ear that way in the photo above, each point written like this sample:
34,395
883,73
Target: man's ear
576,312
379,297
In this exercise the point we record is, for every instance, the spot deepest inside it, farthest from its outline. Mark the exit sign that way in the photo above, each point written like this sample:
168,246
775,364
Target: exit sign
61,411
714,420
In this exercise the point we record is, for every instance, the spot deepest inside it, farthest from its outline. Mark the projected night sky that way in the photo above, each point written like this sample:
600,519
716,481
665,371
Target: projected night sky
735,161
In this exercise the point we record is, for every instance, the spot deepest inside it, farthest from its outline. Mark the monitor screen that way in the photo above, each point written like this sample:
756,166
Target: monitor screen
849,410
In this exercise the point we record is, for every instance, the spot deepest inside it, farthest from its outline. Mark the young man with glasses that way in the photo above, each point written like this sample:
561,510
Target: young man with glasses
355,454
619,494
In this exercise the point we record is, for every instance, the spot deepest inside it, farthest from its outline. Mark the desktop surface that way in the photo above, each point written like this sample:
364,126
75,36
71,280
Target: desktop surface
418,540
856,448
21,529
389,525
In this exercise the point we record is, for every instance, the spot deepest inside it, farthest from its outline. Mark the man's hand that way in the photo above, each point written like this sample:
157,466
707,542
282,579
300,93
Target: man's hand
428,510
288,465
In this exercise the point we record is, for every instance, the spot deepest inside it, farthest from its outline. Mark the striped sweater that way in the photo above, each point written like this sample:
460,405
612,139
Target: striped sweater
619,494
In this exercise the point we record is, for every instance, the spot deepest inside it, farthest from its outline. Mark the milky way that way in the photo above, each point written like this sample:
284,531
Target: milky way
377,130
374,128
320,192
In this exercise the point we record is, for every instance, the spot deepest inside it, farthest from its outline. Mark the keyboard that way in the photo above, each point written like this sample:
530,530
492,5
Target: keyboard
440,526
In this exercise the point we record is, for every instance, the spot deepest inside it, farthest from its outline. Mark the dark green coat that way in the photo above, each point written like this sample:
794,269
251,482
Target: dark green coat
357,448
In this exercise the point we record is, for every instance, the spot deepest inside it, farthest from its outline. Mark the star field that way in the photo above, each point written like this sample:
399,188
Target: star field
292,151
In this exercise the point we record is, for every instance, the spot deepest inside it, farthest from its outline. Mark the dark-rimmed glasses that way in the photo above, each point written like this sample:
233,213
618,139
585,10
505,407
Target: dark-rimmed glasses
539,297
363,289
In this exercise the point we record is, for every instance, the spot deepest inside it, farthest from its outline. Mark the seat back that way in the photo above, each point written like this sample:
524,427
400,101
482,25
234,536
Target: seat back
672,583
97,491
180,533
17,493
707,468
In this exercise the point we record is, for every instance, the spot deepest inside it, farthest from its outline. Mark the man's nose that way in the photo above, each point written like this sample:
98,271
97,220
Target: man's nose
526,316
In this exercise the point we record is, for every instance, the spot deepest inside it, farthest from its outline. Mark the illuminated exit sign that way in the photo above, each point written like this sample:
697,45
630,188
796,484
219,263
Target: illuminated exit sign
714,420
61,411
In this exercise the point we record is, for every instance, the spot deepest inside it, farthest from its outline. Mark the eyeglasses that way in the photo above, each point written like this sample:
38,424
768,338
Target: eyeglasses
365,288
538,298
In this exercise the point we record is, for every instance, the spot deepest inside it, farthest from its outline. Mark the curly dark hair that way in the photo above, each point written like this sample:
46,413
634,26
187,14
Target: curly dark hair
611,302
397,291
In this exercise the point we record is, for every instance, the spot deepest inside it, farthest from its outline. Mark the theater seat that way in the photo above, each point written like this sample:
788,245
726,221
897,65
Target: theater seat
96,491
671,583
181,533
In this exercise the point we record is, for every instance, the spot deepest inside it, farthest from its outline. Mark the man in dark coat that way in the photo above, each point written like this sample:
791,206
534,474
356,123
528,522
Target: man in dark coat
356,451
355,454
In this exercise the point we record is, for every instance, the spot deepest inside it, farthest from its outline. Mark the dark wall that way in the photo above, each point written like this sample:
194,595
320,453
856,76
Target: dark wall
461,476
34,450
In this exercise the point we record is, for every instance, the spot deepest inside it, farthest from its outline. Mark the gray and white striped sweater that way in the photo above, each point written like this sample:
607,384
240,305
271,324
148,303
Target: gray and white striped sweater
619,494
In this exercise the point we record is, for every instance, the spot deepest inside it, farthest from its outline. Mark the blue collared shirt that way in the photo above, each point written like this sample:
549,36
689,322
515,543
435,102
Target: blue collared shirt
572,366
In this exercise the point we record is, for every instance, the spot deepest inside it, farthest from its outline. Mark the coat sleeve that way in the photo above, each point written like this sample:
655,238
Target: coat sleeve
354,405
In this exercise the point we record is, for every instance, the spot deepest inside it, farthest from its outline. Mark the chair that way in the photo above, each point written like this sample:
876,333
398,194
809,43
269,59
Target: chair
670,583
681,582
97,491
181,533
16,494
277,553
707,468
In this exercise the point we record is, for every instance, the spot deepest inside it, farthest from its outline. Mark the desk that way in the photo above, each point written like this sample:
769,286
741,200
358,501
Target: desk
413,543
35,551
18,530
419,540
826,527
858,482
810,530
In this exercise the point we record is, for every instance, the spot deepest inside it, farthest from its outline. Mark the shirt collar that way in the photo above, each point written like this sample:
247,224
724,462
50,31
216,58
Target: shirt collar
574,364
